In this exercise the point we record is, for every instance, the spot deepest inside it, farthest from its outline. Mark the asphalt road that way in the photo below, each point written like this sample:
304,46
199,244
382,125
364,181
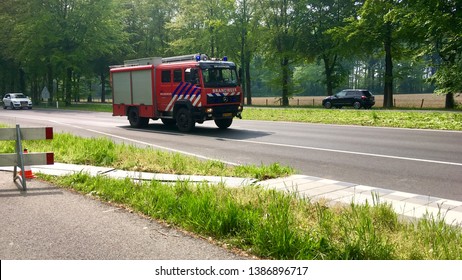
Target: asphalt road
425,162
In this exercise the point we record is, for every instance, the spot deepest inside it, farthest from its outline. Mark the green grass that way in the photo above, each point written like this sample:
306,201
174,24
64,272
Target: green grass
97,107
277,225
381,118
68,148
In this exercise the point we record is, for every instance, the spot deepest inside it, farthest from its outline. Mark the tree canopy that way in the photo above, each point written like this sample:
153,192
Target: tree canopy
283,47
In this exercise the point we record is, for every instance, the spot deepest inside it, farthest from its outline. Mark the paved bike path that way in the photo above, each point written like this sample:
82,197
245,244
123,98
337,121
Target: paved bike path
50,223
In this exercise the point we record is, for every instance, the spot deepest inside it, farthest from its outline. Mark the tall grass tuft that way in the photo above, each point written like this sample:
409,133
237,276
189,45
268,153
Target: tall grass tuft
264,172
364,238
434,238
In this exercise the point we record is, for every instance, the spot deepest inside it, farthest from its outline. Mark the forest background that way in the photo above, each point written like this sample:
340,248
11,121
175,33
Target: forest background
283,48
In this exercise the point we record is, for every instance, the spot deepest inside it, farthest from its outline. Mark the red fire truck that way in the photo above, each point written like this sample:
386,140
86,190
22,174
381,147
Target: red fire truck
181,91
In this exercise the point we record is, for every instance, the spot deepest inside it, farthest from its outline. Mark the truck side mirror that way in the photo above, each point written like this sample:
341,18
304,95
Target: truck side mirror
194,76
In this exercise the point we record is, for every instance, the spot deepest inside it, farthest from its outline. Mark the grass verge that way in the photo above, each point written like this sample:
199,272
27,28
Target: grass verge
102,151
277,225
382,118
97,107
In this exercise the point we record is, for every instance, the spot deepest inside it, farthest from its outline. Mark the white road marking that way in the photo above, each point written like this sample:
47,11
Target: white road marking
345,152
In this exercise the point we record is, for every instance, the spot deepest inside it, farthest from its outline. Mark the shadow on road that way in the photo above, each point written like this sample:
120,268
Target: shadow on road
14,189
199,130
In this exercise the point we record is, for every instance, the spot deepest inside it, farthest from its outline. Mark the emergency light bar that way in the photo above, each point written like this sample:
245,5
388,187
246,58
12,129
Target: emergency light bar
189,57
158,60
196,57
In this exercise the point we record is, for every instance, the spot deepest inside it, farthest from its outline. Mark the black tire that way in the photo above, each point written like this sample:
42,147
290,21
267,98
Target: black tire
184,120
328,105
135,119
357,105
223,123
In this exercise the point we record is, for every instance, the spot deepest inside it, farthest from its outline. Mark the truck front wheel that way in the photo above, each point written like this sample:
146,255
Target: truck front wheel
184,120
135,120
223,123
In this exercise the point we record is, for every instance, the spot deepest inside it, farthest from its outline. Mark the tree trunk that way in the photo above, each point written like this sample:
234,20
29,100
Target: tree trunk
68,88
103,87
244,55
50,83
388,87
285,81
248,87
22,81
76,87
241,73
34,88
450,104
328,73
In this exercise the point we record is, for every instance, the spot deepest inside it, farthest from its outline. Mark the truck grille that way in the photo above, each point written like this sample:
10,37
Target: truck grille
219,98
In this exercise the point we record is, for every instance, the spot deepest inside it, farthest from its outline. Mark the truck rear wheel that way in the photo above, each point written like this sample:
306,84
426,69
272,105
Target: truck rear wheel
223,123
184,120
135,120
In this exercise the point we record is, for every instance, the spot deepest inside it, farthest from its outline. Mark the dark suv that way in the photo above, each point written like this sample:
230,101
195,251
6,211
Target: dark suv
358,98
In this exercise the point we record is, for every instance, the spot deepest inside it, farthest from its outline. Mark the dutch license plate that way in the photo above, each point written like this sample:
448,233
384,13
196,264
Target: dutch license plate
227,114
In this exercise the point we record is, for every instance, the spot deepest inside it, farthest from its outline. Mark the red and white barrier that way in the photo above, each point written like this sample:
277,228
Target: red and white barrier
22,158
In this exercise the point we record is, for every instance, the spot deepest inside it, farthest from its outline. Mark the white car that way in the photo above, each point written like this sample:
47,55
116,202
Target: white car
16,101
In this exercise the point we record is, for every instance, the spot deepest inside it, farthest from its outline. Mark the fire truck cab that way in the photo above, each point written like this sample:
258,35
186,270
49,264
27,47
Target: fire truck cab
181,91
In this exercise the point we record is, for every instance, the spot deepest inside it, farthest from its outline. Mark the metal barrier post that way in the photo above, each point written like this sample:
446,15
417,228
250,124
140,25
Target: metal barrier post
20,160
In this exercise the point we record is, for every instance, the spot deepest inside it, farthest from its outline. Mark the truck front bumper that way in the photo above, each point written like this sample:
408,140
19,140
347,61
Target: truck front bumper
218,112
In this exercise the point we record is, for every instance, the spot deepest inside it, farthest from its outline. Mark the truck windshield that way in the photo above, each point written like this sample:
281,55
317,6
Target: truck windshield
219,77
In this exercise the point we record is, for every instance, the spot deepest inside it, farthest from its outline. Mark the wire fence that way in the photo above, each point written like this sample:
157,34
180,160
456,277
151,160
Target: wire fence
399,100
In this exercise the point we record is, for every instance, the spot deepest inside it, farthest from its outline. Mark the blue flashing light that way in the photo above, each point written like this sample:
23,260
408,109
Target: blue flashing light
198,57
225,58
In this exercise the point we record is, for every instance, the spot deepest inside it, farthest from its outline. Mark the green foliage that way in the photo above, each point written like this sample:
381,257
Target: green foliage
66,44
51,37
438,25
202,26
308,80
146,22
320,43
448,78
